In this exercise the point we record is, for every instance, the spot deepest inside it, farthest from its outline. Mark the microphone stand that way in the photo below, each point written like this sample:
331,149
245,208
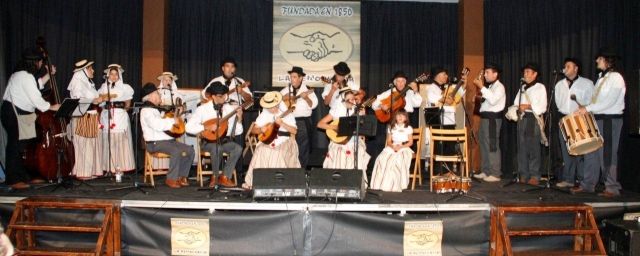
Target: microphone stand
136,185
218,145
233,132
515,173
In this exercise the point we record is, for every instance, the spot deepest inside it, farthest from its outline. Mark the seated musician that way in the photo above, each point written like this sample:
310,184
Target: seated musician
341,79
391,171
436,98
412,97
154,129
281,152
168,89
217,96
341,156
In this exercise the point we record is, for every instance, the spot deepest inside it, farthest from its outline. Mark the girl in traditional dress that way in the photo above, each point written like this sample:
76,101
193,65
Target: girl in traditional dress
117,128
341,156
87,141
282,152
391,171
168,89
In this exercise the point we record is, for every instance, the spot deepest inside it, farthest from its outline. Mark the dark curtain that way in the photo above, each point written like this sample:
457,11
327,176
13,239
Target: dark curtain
520,31
202,32
104,31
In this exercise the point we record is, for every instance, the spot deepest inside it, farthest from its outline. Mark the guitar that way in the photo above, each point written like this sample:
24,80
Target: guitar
289,100
177,129
453,94
397,98
223,124
478,99
272,129
333,134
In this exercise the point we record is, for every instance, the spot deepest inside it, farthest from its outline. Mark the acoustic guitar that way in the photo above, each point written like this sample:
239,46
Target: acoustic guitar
272,129
397,98
178,128
289,100
333,134
223,124
478,99
453,94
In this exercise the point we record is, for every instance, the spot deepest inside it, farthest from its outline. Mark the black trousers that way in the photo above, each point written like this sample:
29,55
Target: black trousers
303,138
14,167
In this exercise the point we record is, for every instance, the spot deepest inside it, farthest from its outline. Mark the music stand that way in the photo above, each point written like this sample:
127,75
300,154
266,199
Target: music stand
367,125
432,116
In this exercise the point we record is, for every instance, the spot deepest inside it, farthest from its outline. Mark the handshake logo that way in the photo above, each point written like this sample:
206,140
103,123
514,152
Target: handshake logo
315,44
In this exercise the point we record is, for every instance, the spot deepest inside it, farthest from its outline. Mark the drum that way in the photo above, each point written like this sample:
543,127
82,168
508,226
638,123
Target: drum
441,184
581,133
464,184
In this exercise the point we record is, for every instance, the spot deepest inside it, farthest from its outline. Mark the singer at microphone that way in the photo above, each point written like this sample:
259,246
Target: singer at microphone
231,81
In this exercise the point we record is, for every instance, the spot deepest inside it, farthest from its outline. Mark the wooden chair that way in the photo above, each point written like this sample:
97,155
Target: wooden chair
250,141
417,166
448,135
204,157
149,171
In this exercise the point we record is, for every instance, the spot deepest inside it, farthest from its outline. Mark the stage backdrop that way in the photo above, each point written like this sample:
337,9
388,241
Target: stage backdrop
315,35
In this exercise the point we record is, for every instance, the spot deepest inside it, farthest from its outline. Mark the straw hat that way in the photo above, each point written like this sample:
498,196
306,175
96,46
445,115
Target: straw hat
106,71
169,74
270,99
82,64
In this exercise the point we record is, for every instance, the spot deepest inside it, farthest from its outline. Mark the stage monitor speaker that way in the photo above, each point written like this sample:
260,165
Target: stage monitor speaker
279,183
337,183
621,237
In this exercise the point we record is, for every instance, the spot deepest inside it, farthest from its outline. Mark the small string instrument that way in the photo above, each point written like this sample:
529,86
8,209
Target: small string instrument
272,129
397,98
291,100
453,94
223,124
333,134
177,129
478,99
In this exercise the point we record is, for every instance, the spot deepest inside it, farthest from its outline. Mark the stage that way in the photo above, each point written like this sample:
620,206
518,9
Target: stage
241,226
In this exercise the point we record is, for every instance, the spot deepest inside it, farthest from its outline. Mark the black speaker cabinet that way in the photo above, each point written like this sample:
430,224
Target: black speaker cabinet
337,183
621,237
279,183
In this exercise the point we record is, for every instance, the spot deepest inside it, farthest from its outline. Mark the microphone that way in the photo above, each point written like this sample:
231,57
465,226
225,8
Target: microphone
390,85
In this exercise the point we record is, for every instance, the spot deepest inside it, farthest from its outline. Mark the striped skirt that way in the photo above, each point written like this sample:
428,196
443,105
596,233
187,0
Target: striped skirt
88,154
341,156
391,171
121,151
265,156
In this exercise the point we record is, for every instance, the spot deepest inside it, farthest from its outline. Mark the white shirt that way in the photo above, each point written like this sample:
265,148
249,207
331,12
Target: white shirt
400,134
80,87
495,97
537,98
22,91
412,99
610,100
341,111
302,108
233,96
267,117
581,87
335,100
434,94
154,126
206,112
167,91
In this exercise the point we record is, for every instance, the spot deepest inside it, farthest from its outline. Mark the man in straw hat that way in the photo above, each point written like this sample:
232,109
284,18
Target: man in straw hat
607,104
282,152
154,129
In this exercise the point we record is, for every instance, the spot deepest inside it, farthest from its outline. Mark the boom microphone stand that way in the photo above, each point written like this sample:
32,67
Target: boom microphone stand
516,175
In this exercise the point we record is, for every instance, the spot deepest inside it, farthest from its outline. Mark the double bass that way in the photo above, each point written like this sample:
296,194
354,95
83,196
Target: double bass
52,149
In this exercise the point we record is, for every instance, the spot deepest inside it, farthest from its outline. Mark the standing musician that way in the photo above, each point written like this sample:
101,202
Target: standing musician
86,140
305,101
154,129
168,89
21,99
217,96
118,128
341,155
282,152
532,103
493,103
228,78
412,97
435,97
607,104
582,88
341,78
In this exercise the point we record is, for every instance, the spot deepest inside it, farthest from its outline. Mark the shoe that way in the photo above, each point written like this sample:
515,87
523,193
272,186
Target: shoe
172,183
578,190
480,176
20,185
564,184
533,181
608,194
212,182
225,182
491,178
183,182
522,181
37,181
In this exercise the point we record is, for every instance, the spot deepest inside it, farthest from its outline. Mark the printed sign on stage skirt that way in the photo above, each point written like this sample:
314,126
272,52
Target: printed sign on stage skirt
189,236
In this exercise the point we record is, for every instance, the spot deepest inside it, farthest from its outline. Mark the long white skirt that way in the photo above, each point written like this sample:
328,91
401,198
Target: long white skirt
341,156
391,171
265,156
88,154
121,151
